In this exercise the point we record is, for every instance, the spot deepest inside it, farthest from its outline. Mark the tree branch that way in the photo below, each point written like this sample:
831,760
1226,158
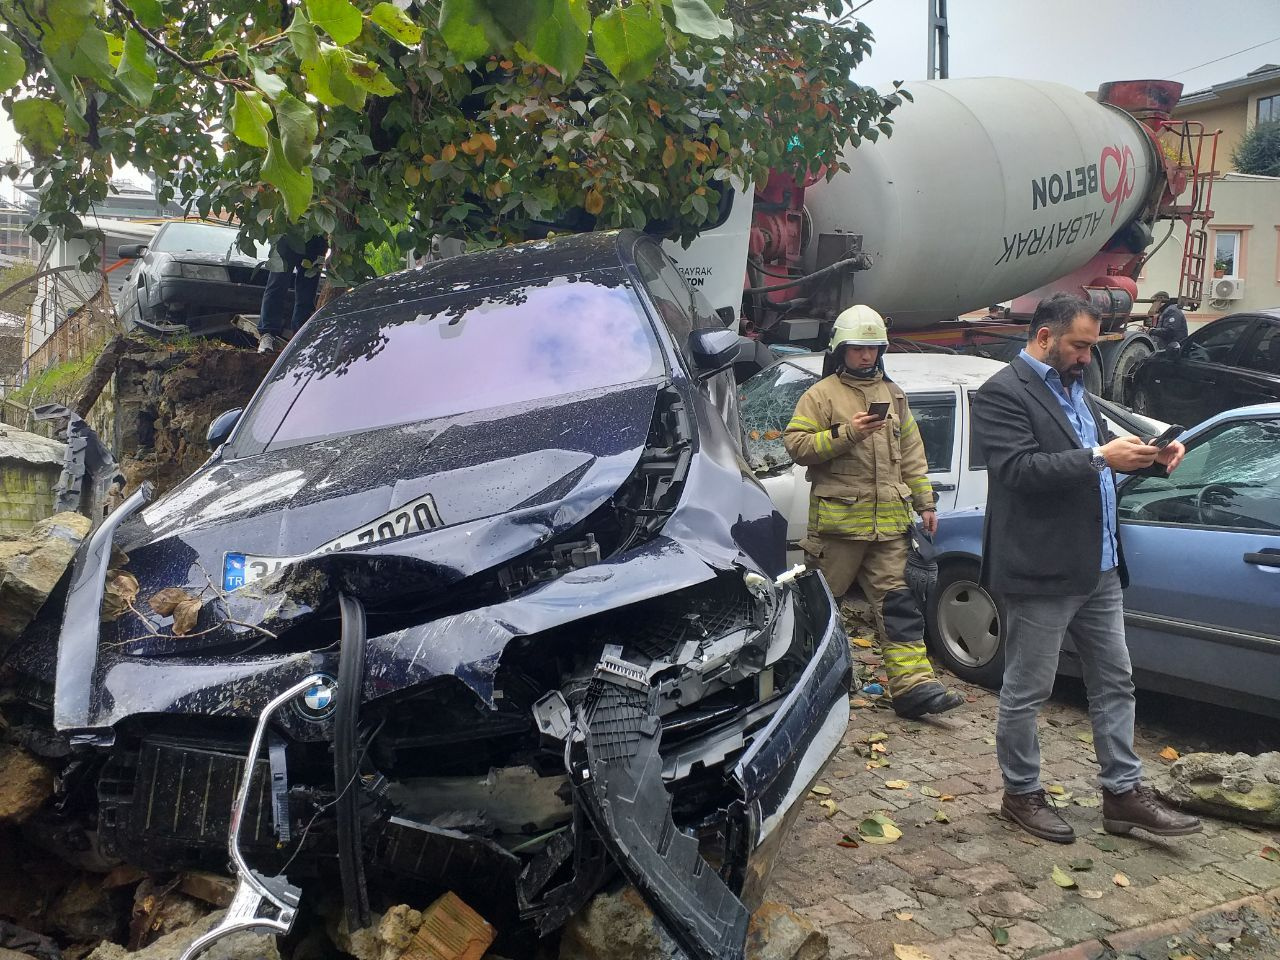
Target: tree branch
194,67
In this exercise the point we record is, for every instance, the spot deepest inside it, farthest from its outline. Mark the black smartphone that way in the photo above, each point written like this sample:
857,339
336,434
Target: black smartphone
1162,441
879,410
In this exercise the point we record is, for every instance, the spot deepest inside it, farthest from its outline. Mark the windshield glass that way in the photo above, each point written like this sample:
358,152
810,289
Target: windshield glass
766,403
202,238
409,362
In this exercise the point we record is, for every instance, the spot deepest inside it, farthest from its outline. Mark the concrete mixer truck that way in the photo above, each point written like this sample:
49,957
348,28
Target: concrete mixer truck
990,191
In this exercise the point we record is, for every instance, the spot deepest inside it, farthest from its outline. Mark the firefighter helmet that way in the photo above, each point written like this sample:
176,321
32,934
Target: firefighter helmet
859,326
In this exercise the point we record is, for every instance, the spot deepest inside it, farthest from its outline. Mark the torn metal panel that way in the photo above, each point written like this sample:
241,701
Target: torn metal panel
88,467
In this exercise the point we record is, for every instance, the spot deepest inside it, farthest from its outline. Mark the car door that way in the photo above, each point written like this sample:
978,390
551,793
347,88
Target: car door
1197,383
937,416
1257,378
1203,552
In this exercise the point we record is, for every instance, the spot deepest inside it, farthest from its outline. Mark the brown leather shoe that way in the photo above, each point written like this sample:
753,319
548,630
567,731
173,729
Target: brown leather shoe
1032,812
1141,808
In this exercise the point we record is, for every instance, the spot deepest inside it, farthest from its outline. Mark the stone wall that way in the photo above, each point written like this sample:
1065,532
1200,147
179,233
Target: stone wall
29,469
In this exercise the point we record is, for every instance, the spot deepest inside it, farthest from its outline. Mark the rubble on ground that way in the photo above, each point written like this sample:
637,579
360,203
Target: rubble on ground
31,566
25,784
1234,786
239,946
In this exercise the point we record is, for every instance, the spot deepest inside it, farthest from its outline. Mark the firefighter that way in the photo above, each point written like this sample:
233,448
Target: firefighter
867,475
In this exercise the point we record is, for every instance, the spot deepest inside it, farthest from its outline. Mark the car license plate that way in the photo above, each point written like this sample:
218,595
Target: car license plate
417,516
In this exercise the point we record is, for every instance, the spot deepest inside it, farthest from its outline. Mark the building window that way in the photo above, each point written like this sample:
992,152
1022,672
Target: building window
1226,253
1268,108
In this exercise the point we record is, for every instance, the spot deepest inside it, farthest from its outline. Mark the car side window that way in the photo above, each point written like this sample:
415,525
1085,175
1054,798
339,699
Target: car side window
977,460
670,294
1229,478
1214,343
935,415
1263,354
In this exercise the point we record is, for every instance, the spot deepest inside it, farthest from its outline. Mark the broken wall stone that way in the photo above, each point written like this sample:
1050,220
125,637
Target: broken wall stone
30,466
30,567
25,784
238,946
1232,786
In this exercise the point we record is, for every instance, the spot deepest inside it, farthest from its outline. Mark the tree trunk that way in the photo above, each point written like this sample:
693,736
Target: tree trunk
103,369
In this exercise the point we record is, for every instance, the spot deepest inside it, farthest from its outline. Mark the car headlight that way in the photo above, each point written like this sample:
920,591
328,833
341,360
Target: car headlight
205,271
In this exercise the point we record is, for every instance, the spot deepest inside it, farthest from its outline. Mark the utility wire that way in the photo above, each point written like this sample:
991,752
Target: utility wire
1217,60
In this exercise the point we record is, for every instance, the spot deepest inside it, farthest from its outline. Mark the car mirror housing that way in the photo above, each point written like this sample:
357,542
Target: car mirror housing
713,350
130,251
222,426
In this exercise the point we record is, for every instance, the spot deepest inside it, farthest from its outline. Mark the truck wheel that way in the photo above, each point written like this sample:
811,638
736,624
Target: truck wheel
1093,374
1126,362
965,625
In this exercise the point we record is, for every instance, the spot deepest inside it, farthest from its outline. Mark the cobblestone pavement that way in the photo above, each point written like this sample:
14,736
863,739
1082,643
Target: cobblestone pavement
959,879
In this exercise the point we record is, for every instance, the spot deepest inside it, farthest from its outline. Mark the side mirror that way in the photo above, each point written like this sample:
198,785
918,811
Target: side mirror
131,251
1174,349
222,426
713,350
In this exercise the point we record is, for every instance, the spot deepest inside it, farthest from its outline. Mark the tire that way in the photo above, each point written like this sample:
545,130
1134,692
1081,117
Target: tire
965,625
1127,360
1093,374
1140,402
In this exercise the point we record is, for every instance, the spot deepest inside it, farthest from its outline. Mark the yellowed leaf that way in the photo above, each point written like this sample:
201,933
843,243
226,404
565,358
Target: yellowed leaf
859,703
1062,878
820,790
863,642
904,916
772,434
594,201
946,796
1120,880
185,616
879,748
1091,894
1056,789
449,153
830,806
902,951
896,784
163,601
1170,754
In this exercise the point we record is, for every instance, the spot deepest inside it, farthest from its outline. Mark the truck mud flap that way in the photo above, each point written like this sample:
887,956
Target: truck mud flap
616,773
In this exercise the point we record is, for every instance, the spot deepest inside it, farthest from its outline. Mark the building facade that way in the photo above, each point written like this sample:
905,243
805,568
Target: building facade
1234,107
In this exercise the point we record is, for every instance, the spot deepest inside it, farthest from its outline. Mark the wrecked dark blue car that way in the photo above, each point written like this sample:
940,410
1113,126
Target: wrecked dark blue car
481,583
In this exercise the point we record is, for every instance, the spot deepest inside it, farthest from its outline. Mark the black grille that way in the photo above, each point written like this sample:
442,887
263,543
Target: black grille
663,626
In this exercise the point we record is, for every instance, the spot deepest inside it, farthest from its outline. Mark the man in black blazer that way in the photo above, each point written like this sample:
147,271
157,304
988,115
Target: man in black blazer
1051,549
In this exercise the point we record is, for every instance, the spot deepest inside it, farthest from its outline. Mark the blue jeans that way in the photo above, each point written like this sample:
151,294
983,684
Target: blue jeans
1034,628
273,316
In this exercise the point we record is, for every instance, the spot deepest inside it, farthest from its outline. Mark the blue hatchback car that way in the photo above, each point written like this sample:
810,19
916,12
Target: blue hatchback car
1202,612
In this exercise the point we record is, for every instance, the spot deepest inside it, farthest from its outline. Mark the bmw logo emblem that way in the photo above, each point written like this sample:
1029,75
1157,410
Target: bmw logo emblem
316,702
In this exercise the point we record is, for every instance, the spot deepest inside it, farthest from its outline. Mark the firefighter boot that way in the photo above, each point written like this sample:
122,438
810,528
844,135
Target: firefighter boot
912,684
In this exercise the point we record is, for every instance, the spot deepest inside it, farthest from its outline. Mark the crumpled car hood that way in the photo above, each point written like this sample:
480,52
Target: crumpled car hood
501,484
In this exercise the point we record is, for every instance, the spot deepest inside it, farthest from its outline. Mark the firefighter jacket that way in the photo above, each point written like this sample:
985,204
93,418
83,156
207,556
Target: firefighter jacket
862,489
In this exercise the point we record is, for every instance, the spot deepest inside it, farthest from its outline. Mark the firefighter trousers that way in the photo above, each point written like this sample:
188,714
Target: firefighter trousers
878,567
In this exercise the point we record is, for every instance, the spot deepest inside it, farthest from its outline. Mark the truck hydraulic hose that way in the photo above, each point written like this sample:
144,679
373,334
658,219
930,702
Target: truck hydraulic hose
859,262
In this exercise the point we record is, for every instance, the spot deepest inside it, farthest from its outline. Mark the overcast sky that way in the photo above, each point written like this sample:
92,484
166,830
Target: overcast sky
1077,42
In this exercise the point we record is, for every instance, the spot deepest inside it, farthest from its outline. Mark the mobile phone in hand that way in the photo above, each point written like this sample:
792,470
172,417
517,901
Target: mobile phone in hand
879,410
1162,441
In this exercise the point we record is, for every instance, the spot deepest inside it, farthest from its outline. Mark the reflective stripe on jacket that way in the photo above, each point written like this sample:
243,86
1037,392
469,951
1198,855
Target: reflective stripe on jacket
861,489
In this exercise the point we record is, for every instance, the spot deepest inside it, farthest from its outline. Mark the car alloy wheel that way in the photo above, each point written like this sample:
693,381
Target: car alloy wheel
964,623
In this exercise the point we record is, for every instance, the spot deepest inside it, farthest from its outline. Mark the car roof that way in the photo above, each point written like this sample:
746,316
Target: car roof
530,262
921,371
1256,410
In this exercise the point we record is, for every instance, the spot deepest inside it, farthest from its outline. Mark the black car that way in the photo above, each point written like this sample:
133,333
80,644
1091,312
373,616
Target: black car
482,584
1231,362
192,278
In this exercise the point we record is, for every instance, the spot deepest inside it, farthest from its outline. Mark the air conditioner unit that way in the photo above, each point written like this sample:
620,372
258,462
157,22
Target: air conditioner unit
1227,288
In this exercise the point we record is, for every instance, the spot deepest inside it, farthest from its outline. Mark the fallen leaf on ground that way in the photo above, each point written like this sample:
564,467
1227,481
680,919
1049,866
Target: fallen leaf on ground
1270,853
1085,737
1000,935
1059,802
1084,863
1057,789
946,796
1105,844
903,952
970,699
941,817
929,792
846,841
859,702
1062,878
989,741
862,642
1091,894
1170,754
830,806
878,828
877,737
1120,880
904,917
877,764
879,748
896,784
1086,801
821,790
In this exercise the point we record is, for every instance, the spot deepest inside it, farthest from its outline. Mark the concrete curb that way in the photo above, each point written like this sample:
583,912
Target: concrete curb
1124,940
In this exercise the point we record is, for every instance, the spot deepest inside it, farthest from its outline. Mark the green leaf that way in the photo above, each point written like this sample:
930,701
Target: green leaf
395,23
1084,863
12,65
136,73
66,22
628,40
561,41
270,84
298,129
368,77
295,186
338,18
250,115
302,37
91,56
1062,878
149,13
39,124
317,74
463,35
695,17
340,81
1000,935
